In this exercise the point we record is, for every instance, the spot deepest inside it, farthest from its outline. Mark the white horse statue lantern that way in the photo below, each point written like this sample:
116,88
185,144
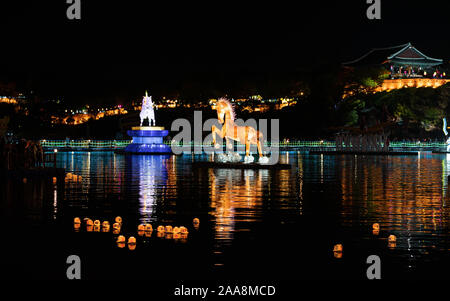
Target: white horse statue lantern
147,110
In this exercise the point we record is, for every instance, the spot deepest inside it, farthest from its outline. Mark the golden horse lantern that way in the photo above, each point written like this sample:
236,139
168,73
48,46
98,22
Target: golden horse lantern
246,135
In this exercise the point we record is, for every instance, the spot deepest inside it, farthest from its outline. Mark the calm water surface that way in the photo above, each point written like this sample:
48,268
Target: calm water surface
253,223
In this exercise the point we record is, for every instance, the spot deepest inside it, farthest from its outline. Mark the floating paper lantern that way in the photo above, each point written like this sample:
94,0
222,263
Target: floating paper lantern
148,228
148,233
54,180
105,228
120,239
183,230
118,219
375,232
97,223
77,227
392,244
24,180
376,226
121,245
131,240
76,220
105,223
168,229
132,247
176,230
141,227
160,229
89,222
392,238
140,232
96,228
196,221
337,254
89,228
338,248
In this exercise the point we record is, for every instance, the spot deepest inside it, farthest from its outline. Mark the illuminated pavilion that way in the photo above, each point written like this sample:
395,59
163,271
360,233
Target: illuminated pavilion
407,65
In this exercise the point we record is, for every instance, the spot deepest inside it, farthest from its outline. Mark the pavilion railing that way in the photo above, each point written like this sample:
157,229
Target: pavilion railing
304,144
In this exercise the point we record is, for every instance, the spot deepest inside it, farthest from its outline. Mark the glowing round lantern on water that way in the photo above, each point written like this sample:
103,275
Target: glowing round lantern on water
196,221
77,227
148,233
105,228
76,220
392,238
131,247
168,229
97,223
376,226
89,228
141,227
54,180
121,245
131,240
116,226
96,228
148,228
24,180
337,254
105,223
118,219
177,235
120,239
160,229
176,230
89,222
338,248
183,230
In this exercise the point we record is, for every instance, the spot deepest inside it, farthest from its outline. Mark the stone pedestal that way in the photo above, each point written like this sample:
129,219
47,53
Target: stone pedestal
148,140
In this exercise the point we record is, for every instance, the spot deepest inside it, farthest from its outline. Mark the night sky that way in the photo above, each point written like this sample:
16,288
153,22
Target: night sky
121,48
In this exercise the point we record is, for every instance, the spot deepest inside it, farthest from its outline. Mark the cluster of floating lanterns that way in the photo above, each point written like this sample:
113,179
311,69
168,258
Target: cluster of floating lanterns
167,231
392,241
71,177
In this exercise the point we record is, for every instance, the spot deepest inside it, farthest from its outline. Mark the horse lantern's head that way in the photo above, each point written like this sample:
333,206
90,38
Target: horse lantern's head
219,106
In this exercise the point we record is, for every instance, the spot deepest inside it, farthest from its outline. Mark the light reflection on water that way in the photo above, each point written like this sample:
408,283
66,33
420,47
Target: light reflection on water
406,195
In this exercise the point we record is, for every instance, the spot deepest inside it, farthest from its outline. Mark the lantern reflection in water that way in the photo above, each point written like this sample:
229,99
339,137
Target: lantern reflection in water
152,176
232,190
405,194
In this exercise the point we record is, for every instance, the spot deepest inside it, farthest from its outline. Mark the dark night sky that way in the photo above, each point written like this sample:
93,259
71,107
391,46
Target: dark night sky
120,48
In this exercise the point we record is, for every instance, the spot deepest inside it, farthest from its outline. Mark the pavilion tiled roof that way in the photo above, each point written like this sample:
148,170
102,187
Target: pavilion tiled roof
405,54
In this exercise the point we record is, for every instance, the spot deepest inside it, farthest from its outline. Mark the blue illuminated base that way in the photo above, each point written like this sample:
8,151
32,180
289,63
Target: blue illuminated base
147,140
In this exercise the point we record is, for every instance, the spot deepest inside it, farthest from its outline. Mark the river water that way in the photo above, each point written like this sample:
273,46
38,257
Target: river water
254,224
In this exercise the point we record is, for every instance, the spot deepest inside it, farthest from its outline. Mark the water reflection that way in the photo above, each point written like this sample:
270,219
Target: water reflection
232,190
406,195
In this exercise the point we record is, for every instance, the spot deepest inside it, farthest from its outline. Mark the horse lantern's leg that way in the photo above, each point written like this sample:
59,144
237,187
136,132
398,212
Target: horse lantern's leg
215,131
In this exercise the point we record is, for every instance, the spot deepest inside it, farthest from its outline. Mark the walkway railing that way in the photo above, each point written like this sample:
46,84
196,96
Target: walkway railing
119,144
